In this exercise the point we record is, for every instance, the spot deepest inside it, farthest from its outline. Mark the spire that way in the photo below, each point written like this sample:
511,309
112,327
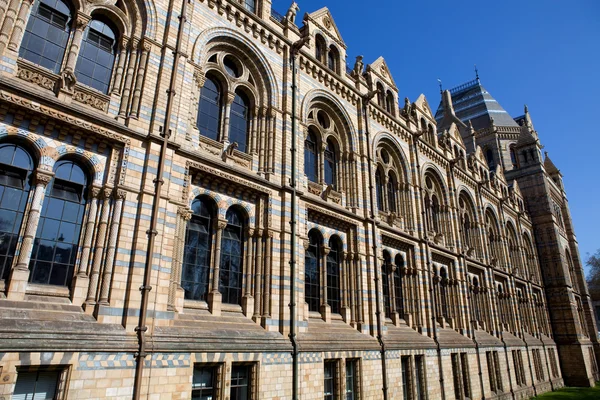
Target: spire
476,74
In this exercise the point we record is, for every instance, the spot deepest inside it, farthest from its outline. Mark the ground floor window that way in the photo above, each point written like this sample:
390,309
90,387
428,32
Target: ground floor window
205,382
352,380
329,384
241,382
37,383
494,373
460,375
553,365
519,370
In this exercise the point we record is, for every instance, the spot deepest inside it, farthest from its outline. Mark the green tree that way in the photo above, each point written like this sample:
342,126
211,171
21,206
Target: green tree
593,279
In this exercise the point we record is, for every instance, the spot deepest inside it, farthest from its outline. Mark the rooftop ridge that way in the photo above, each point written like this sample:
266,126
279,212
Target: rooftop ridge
468,85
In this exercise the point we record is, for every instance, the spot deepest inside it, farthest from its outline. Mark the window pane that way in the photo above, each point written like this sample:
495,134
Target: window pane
57,238
240,382
209,110
97,56
196,263
46,35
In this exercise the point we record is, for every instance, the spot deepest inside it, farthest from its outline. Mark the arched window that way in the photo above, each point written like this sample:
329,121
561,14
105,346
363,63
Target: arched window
209,109
197,253
15,170
435,213
331,165
333,59
310,157
385,282
380,189
231,266
398,291
239,121
392,187
489,156
333,274
97,56
467,229
57,238
250,5
380,95
513,155
312,271
47,33
389,102
444,293
319,48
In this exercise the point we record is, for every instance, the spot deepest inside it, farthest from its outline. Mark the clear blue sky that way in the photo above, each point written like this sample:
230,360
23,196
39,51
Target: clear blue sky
542,53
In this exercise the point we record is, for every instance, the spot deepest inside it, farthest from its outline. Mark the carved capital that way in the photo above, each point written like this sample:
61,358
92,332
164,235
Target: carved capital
124,41
43,177
250,232
199,77
95,190
269,233
185,213
326,250
230,97
258,233
82,21
221,224
145,45
305,243
107,193
134,43
120,194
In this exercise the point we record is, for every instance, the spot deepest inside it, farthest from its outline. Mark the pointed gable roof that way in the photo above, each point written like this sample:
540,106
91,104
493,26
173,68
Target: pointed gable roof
323,19
549,165
379,67
527,137
423,105
473,102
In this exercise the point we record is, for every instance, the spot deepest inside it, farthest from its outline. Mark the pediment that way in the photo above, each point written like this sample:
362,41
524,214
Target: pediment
479,155
323,19
381,69
500,173
423,105
455,135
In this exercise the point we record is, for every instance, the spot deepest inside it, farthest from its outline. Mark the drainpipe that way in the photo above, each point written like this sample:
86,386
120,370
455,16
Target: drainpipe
424,239
365,105
294,49
152,232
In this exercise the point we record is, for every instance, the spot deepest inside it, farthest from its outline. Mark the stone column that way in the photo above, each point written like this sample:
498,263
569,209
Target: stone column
271,139
325,308
175,302
112,246
214,297
267,276
9,20
228,103
68,79
133,45
139,80
81,281
260,145
20,274
344,309
17,33
98,251
249,302
118,78
322,163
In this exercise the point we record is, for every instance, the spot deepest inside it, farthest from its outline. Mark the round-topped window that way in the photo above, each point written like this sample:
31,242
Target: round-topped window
232,66
323,120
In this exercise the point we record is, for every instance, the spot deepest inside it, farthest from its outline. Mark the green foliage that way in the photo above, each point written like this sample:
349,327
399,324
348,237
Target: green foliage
593,279
572,393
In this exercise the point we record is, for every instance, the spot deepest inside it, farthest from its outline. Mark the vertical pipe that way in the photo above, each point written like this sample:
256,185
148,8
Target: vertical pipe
158,182
365,108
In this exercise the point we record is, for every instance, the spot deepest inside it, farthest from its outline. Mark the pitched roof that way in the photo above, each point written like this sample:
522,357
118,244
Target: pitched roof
472,102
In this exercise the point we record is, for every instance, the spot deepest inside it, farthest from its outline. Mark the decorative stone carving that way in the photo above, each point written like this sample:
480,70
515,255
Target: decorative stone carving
35,77
90,99
290,15
315,188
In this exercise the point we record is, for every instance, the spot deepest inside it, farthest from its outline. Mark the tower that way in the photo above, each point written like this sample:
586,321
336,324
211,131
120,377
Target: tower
515,144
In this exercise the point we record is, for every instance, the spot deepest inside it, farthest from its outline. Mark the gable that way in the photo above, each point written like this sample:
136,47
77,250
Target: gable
380,68
322,18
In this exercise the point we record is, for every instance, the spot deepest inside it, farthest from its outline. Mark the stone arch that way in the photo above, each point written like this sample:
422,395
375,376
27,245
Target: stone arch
247,51
122,22
391,143
432,170
337,111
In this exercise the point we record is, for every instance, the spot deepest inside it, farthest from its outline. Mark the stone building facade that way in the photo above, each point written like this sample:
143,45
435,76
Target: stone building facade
145,236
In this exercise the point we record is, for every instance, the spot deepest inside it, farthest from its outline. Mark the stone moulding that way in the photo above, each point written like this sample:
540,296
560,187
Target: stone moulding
36,75
50,112
91,98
